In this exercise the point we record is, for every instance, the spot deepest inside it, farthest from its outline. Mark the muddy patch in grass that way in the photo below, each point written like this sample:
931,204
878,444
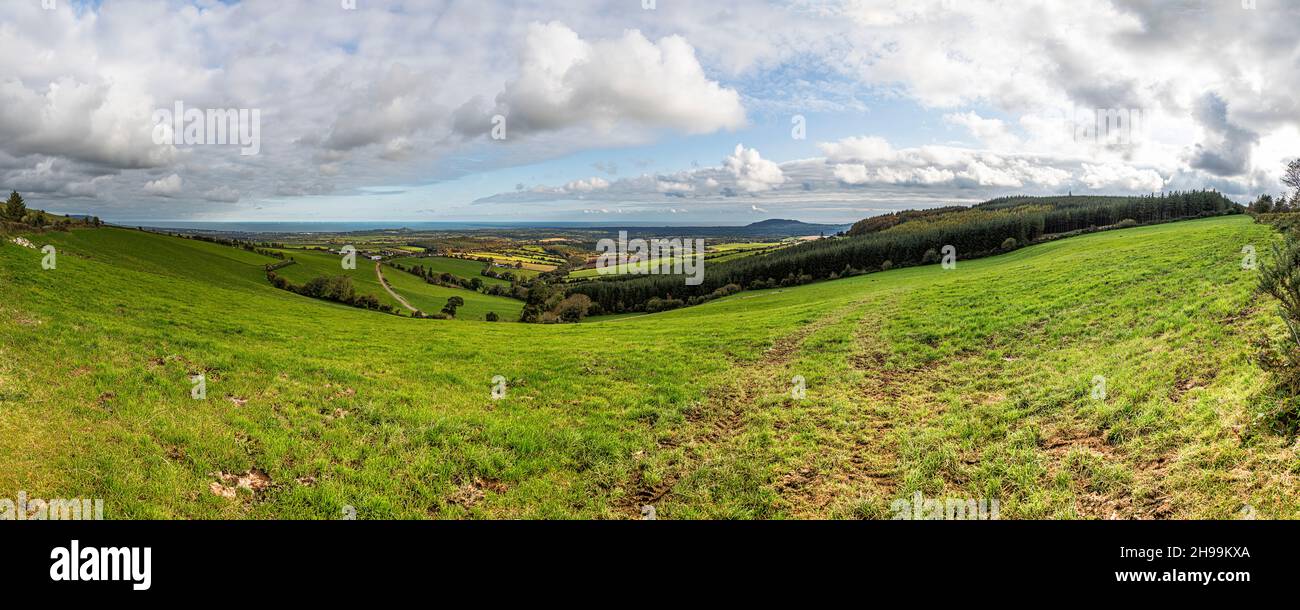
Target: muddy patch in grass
471,493
255,481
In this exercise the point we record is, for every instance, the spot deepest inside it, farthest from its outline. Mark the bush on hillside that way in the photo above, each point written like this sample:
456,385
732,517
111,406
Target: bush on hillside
1280,356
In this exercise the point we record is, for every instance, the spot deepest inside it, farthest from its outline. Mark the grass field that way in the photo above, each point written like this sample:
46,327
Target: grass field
420,294
458,267
430,298
969,383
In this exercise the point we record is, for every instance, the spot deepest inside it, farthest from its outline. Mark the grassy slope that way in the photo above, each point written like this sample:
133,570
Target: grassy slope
430,298
966,383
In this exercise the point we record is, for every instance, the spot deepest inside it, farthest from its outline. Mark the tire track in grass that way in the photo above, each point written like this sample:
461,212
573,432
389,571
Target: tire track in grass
842,445
723,416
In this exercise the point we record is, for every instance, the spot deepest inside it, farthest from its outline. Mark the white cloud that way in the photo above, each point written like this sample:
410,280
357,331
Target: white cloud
669,186
1121,177
752,172
992,132
864,149
594,183
165,187
565,81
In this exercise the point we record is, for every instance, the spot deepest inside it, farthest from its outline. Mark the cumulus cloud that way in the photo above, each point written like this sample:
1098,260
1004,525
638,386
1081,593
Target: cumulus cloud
565,81
594,183
165,187
752,172
858,149
869,168
98,122
1122,177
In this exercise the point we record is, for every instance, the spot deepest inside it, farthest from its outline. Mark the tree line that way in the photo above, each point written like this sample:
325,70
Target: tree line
338,289
515,290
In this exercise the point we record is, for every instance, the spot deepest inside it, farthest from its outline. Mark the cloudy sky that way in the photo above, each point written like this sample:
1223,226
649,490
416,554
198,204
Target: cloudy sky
668,111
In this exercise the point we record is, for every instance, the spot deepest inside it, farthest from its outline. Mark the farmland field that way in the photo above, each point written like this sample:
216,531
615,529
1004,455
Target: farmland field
972,382
426,297
459,267
713,253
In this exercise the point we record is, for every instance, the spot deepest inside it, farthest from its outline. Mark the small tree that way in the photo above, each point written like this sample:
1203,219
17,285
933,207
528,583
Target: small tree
452,304
1262,205
1291,178
573,308
492,316
15,207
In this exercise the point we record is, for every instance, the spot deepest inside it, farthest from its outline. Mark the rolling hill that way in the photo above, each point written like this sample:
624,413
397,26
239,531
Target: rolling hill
976,382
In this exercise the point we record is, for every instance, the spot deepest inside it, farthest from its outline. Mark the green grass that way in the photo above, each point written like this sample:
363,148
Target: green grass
458,267
430,298
972,382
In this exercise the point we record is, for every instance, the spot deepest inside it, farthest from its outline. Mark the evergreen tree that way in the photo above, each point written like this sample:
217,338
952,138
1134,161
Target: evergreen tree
15,207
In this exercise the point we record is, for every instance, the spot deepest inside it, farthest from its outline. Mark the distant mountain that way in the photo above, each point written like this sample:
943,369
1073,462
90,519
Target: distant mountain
794,227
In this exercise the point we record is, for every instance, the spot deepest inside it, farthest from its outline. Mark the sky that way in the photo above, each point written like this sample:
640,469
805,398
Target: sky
611,111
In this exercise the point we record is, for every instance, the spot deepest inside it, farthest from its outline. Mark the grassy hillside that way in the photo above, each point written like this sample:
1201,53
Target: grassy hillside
970,383
430,298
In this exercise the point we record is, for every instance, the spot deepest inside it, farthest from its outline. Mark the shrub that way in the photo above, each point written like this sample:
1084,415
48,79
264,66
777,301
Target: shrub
1280,357
573,308
1008,244
656,304
1126,223
492,316
887,265
727,290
